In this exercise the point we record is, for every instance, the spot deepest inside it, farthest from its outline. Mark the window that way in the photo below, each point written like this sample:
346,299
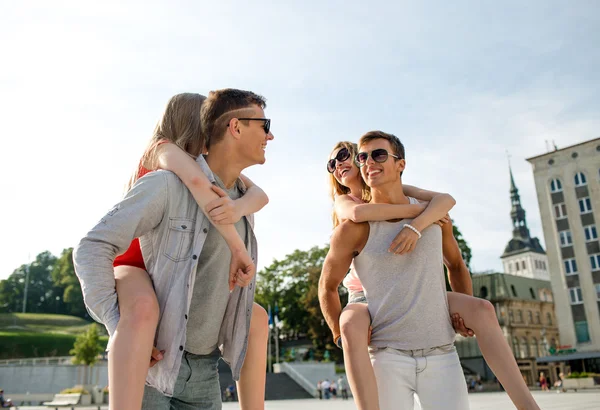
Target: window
560,211
598,291
538,318
590,233
555,186
530,316
582,332
595,261
580,179
570,266
575,296
532,293
516,349
534,347
585,205
511,316
517,265
519,316
565,238
524,348
549,318
544,265
514,291
523,265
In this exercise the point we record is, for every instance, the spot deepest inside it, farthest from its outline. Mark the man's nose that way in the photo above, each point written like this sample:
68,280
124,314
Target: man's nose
270,136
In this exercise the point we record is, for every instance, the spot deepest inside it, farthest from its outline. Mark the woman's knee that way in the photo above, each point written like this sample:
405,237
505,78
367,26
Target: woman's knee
260,319
141,310
355,323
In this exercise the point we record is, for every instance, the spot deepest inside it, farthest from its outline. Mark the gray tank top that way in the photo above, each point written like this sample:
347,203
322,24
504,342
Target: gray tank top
406,294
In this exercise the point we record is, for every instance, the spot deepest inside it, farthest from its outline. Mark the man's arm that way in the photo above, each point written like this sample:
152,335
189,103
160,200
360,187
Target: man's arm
140,211
345,243
458,274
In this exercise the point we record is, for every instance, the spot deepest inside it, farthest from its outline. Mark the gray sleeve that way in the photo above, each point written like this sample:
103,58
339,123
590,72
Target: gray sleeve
141,210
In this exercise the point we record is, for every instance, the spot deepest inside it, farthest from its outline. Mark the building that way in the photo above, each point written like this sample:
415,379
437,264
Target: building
525,311
523,300
523,256
568,190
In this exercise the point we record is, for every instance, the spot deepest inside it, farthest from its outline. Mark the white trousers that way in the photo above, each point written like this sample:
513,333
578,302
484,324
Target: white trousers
436,379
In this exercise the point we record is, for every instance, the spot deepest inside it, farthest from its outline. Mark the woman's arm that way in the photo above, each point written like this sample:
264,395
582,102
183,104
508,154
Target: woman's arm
227,211
171,157
346,208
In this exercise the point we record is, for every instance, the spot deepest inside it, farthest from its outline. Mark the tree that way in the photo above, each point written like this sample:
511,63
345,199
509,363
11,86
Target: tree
68,286
292,284
86,349
41,292
465,250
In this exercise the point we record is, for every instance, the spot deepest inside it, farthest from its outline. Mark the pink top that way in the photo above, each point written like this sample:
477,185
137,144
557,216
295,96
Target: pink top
351,281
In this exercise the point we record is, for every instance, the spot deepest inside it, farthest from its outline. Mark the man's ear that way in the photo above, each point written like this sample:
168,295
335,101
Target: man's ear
401,164
234,128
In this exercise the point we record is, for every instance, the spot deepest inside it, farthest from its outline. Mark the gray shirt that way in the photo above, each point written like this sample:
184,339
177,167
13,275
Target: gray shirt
211,290
406,293
161,212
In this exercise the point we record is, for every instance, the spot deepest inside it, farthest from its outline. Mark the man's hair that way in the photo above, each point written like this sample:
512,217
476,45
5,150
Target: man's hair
223,105
397,146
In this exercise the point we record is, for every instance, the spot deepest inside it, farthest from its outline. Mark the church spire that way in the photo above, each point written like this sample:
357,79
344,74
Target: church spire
517,213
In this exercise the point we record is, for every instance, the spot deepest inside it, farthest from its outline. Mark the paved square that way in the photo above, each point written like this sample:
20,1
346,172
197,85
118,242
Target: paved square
479,401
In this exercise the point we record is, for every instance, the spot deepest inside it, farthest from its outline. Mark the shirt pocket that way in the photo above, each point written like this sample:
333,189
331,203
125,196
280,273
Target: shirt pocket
180,238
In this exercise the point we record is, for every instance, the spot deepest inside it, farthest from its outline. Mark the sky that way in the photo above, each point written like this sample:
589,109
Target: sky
461,83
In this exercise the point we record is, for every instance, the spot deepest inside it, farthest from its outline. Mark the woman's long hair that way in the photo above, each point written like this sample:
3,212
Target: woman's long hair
179,124
339,189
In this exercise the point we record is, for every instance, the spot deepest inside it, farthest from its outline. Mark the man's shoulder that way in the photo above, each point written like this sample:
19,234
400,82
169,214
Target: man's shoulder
161,177
351,233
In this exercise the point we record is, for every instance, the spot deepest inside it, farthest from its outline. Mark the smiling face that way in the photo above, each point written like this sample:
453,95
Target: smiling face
375,173
346,172
253,136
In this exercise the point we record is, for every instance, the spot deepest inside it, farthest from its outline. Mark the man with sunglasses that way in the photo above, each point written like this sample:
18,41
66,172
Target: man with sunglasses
412,341
189,260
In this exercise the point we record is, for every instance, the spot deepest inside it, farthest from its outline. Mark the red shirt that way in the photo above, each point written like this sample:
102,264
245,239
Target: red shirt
133,255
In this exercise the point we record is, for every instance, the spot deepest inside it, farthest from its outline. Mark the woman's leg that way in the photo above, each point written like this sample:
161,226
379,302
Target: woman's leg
251,386
354,324
480,316
129,354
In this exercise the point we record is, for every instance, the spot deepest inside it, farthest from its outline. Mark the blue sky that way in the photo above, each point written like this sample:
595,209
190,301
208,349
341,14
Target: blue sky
82,85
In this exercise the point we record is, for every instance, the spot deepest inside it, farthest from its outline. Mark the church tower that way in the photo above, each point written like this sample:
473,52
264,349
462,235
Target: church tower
523,255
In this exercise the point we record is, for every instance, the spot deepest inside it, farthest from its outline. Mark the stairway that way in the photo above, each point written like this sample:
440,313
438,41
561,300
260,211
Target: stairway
279,385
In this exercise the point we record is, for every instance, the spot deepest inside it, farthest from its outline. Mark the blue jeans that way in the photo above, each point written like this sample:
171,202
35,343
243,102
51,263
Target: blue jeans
197,386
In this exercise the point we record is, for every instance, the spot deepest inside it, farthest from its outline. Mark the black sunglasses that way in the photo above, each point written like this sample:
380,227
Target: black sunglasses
266,125
341,156
379,155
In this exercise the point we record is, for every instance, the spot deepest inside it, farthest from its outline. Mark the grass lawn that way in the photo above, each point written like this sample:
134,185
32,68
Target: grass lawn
39,335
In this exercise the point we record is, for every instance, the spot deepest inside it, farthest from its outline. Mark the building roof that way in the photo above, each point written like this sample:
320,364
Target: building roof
568,357
520,245
562,149
502,286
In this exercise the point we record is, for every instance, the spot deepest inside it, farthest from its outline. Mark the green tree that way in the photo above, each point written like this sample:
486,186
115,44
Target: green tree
67,284
465,250
41,292
86,349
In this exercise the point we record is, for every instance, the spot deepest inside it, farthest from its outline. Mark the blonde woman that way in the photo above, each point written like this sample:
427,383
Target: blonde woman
176,142
351,196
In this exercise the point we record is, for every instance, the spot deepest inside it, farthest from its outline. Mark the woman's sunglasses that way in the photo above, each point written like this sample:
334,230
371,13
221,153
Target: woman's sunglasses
379,155
341,156
266,125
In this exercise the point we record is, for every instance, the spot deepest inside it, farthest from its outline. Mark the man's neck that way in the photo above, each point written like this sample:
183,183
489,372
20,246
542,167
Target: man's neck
224,164
391,193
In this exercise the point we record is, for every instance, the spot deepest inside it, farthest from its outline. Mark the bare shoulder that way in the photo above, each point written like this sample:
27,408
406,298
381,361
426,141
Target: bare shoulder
350,234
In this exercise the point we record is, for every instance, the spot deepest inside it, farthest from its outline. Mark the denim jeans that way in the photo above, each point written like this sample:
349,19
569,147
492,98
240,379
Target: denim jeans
433,375
197,386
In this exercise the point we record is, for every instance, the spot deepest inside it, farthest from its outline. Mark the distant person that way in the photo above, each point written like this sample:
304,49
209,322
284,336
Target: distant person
5,403
333,389
325,386
320,389
543,382
343,387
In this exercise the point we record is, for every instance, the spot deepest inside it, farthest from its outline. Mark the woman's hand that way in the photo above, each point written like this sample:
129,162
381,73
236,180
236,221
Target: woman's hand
223,210
404,242
241,269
